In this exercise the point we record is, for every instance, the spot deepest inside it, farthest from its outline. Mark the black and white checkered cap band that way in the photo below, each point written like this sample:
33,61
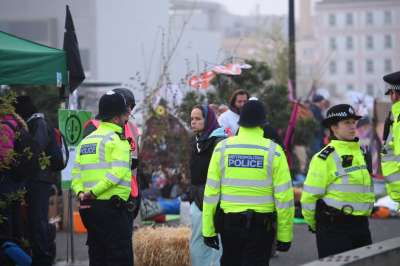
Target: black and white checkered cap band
389,86
339,114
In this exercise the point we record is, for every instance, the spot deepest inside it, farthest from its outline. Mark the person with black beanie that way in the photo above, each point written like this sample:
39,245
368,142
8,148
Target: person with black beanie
38,185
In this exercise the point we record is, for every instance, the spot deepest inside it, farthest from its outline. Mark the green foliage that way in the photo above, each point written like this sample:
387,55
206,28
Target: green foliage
304,129
253,80
277,105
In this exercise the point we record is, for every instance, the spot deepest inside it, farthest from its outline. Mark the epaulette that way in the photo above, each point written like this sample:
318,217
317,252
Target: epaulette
325,152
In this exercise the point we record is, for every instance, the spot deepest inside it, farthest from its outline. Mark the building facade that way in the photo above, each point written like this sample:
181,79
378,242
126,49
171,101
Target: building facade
357,42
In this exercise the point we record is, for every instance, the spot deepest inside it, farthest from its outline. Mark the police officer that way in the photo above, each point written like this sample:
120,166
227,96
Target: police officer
129,133
248,187
391,149
338,191
102,182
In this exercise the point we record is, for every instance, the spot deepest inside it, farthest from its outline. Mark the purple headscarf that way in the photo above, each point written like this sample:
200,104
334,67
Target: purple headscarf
210,122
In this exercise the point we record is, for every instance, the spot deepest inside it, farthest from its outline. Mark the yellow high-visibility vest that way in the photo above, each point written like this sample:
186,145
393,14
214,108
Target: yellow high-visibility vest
102,163
391,155
249,172
339,176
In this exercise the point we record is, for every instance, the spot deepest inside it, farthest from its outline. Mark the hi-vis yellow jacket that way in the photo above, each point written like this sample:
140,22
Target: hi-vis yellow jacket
249,172
391,155
102,163
339,176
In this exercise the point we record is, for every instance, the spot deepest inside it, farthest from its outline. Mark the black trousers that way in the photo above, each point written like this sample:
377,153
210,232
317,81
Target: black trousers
38,194
246,244
109,234
341,233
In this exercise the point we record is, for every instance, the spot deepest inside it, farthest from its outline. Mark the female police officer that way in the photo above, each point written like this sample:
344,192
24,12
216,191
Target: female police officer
338,192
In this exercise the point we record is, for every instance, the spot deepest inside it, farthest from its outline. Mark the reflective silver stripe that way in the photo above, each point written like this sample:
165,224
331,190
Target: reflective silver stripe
211,200
222,158
350,188
390,158
213,183
102,146
104,165
271,155
283,187
284,205
117,180
247,199
308,206
120,164
352,169
90,184
393,178
236,182
95,166
356,206
100,136
248,146
314,190
340,170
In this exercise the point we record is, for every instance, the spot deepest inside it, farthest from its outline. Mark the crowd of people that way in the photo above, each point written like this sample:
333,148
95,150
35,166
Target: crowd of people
241,194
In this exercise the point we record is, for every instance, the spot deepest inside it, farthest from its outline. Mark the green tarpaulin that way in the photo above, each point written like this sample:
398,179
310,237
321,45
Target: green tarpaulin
23,62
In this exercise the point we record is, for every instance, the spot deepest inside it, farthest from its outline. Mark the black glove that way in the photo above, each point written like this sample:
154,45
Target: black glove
311,230
283,246
212,242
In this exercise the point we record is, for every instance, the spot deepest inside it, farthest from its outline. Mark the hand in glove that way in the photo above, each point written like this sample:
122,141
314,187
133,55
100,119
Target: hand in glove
283,246
212,242
311,229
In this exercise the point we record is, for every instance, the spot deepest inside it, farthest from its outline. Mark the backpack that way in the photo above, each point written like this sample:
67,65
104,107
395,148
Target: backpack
57,149
26,150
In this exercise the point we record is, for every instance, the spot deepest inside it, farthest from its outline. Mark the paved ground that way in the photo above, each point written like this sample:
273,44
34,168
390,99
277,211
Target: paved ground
303,248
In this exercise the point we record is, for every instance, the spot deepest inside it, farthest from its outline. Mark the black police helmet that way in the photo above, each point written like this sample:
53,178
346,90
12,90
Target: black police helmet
128,95
338,113
392,82
112,104
252,114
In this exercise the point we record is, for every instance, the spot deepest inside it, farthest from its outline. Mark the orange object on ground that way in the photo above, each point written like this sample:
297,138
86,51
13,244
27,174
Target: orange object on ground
78,225
381,213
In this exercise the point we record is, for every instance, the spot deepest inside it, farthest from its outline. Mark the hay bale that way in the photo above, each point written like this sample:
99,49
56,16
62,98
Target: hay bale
161,246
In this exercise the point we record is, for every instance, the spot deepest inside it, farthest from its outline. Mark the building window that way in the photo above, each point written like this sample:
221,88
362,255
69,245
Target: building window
332,87
388,41
370,42
332,43
370,66
370,89
387,17
349,19
332,67
332,20
349,43
388,65
349,67
369,19
350,87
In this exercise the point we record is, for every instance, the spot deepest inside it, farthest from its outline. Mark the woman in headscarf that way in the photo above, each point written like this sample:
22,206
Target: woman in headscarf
207,134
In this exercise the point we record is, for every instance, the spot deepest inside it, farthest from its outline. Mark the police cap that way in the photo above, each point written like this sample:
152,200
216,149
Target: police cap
338,113
392,82
112,104
252,114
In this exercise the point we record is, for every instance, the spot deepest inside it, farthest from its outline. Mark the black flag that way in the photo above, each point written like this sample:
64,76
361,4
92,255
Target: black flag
71,47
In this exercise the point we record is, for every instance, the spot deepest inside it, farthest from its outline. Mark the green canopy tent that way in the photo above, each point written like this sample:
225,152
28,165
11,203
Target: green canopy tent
23,62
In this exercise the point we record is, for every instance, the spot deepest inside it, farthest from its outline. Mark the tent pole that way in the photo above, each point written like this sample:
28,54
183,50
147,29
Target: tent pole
70,205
